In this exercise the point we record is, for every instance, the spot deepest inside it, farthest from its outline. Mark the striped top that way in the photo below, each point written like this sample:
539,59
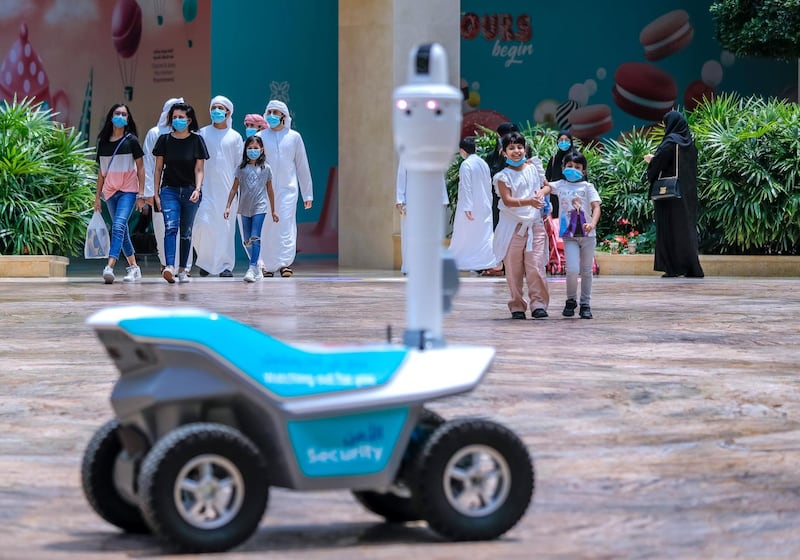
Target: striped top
122,176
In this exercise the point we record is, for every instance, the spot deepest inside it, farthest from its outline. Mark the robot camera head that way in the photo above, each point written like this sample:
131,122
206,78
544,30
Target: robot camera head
428,64
427,111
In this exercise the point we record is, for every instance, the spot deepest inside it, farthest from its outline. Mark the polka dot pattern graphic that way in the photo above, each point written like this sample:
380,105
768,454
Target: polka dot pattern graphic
22,72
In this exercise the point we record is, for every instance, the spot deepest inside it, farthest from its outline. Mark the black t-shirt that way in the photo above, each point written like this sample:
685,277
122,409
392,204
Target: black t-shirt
180,156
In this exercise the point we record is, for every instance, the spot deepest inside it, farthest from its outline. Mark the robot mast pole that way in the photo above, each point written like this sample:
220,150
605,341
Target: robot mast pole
427,123
425,223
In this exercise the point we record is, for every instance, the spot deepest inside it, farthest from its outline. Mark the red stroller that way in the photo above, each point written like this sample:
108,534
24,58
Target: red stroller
557,260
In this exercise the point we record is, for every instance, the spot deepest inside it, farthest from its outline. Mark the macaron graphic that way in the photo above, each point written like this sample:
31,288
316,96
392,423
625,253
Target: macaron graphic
697,92
590,121
643,90
666,35
473,121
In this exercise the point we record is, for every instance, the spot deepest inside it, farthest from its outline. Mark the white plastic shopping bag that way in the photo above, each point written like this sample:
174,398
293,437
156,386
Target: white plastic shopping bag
98,242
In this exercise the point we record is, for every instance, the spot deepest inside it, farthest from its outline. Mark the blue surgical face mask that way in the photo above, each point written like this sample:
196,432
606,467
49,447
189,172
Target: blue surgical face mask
217,116
250,131
564,145
253,153
119,121
180,124
513,163
273,120
572,175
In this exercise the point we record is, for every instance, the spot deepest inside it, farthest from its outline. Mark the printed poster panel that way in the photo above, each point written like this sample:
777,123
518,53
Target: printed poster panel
597,68
81,56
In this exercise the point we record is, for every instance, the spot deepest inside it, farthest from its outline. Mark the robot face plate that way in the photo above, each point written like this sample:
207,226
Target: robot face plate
427,112
427,124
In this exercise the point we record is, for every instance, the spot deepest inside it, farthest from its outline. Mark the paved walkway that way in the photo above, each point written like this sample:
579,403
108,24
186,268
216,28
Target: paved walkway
667,427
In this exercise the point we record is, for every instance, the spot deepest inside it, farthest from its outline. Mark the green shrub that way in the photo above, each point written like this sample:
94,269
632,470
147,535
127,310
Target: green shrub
748,176
46,183
766,28
618,172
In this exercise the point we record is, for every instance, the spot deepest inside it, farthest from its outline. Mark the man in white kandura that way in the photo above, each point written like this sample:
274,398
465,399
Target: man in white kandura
149,189
291,175
471,242
401,188
213,236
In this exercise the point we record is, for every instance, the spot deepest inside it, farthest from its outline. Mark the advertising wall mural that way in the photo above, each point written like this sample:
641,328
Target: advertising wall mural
599,69
81,56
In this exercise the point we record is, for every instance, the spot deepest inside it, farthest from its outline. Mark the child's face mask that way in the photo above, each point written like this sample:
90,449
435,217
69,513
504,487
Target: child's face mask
572,175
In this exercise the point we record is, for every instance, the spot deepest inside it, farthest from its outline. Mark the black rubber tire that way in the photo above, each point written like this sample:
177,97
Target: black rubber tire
429,487
160,471
97,478
394,507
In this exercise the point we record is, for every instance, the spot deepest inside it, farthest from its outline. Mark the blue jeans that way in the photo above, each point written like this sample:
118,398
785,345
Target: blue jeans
179,213
120,206
251,232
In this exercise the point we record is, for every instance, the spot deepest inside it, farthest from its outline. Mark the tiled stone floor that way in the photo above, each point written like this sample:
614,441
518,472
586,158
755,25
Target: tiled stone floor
667,427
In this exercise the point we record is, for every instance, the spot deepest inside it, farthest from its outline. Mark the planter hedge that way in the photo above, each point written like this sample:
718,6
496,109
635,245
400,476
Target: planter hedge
47,178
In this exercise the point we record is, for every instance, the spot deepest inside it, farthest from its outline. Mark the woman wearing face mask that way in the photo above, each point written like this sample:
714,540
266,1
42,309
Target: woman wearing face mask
556,163
161,127
579,215
178,176
120,182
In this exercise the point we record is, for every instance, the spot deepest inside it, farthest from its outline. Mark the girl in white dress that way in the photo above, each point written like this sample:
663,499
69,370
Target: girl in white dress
519,239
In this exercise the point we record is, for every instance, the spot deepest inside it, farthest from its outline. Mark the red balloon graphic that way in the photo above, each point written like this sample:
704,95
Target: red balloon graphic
126,27
483,117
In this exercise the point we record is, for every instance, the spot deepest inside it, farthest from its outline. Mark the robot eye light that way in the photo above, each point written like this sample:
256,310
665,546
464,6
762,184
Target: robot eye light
431,104
402,104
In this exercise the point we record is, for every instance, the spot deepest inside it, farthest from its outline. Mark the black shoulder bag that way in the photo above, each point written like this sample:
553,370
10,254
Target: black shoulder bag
666,187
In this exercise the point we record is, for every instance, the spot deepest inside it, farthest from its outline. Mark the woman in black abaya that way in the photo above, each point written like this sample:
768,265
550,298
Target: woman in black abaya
676,218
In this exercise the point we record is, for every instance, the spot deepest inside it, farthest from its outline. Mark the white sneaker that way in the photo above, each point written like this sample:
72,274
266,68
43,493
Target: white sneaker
183,277
108,275
258,273
250,275
169,274
134,274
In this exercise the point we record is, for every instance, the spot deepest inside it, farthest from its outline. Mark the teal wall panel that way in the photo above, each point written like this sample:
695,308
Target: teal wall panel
284,49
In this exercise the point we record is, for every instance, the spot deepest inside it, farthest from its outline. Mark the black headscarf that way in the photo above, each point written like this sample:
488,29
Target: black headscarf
553,171
559,156
676,129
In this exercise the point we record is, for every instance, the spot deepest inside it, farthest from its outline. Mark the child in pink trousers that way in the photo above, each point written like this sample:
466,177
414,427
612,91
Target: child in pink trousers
519,239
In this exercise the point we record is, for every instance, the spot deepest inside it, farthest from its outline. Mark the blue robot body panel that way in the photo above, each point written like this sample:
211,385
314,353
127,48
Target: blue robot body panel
285,370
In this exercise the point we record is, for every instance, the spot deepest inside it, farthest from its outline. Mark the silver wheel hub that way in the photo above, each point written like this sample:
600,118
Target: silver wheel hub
477,480
209,491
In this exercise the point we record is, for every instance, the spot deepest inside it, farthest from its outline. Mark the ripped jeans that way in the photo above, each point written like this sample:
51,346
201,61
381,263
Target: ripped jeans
179,213
251,230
